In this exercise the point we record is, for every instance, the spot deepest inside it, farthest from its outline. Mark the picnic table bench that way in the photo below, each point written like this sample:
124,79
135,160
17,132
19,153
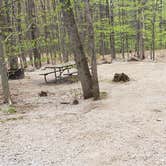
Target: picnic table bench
45,75
58,70
71,73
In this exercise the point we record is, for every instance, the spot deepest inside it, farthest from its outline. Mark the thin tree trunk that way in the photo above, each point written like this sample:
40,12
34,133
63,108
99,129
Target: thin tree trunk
9,22
153,29
112,34
140,30
3,69
19,29
44,20
33,34
102,45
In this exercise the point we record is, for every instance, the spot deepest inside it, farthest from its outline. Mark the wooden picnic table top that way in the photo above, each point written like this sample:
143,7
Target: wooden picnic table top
70,64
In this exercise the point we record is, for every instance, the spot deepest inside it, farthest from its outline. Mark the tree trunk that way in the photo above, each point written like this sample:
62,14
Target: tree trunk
102,43
3,69
79,54
91,50
33,34
46,32
140,30
19,29
112,34
154,28
9,22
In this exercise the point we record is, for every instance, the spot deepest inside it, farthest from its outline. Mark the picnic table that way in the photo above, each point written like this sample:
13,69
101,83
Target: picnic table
59,70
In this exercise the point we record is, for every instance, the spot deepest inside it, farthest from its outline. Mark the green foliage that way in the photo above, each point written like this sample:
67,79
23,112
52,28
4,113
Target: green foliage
103,95
50,25
10,110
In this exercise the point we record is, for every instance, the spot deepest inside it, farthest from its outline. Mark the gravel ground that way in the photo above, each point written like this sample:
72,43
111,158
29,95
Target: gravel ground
128,128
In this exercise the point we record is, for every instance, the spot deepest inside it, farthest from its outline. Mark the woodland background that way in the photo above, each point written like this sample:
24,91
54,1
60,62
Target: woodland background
35,33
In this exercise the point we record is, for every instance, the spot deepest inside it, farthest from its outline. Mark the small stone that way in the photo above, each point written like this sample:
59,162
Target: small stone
43,94
75,102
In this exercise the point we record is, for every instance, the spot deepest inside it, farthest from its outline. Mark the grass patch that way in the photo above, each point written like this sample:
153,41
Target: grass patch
11,119
103,95
9,110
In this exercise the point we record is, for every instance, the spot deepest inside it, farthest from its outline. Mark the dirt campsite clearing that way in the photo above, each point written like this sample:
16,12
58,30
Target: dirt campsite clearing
127,127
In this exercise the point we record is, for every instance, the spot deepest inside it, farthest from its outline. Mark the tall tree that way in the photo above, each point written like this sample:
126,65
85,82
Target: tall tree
10,29
79,54
112,34
20,36
91,50
140,29
34,31
3,69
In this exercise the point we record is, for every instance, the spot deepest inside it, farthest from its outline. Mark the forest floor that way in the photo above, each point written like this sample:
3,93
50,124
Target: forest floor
126,128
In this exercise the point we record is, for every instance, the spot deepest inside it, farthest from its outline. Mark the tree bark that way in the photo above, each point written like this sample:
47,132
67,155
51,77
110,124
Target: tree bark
3,69
9,22
19,30
79,54
140,30
33,34
112,34
91,50
102,42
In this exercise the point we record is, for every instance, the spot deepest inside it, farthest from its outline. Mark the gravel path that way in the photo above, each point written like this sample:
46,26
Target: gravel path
128,128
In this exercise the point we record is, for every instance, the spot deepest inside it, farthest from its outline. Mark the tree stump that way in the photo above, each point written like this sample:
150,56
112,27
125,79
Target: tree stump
122,77
16,74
